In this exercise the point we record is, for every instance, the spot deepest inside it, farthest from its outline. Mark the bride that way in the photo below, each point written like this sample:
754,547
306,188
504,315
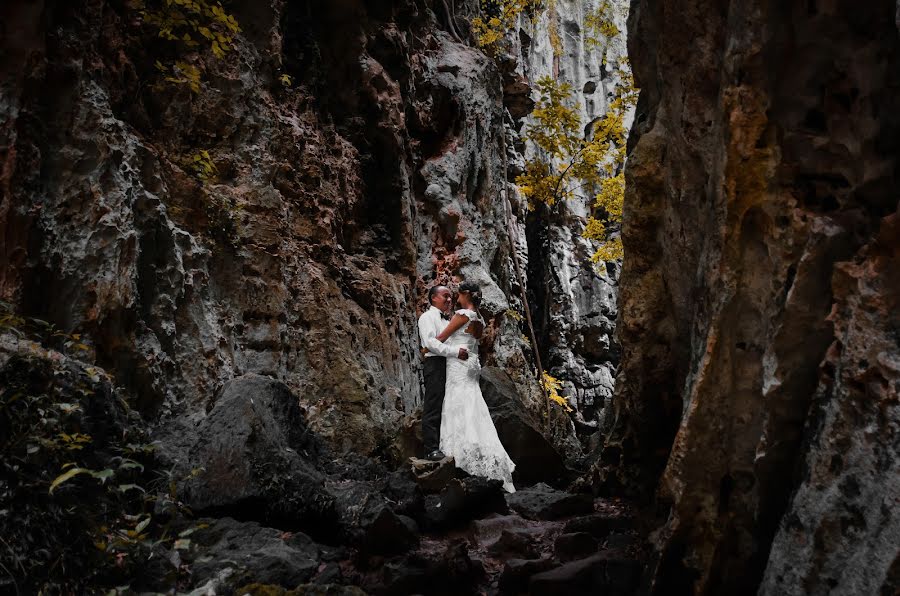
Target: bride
467,431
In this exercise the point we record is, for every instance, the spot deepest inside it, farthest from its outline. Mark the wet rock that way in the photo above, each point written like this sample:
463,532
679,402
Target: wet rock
535,458
578,545
251,457
544,502
251,552
433,476
464,500
517,572
608,573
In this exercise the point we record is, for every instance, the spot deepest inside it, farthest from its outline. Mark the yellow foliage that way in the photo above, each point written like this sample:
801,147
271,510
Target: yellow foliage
501,17
569,162
600,26
553,385
201,164
192,23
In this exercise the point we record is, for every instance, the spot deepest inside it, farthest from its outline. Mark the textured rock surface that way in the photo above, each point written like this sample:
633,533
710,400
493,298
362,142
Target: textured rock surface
251,456
338,201
758,319
574,306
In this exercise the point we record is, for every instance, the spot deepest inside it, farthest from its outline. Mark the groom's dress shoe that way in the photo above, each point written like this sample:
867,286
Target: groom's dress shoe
435,456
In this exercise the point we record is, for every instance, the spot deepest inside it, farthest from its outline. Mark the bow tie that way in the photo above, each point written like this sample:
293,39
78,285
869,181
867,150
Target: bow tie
445,316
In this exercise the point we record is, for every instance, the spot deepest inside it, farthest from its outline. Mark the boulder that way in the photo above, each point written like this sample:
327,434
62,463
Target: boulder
570,547
432,476
464,500
516,573
544,502
449,572
608,573
251,552
517,542
368,521
535,458
252,457
599,525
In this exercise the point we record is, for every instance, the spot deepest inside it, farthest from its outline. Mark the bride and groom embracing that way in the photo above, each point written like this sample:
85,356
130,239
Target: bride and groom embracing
455,420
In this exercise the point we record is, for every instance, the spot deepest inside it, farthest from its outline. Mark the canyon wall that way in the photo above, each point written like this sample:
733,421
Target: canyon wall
356,148
759,296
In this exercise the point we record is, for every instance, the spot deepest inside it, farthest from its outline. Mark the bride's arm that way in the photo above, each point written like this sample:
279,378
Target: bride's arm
455,323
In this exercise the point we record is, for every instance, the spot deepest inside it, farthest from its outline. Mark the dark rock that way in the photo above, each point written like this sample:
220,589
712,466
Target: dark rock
257,589
570,547
433,476
599,525
543,502
464,500
368,521
517,572
535,458
252,552
607,573
519,543
620,541
329,573
451,572
251,458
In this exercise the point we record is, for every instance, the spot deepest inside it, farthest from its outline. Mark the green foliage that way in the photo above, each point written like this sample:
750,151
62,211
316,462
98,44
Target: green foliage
69,483
193,24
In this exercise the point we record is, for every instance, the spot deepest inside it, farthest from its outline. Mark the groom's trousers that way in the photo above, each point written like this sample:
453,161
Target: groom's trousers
435,372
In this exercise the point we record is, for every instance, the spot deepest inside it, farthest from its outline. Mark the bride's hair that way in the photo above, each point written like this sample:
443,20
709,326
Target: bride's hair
474,292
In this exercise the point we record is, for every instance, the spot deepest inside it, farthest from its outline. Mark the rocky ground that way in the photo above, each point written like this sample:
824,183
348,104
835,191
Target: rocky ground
254,501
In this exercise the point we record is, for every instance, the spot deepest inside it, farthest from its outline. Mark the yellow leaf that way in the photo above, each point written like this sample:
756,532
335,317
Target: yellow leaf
67,476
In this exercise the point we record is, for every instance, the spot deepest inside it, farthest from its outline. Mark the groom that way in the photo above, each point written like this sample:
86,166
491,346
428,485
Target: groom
431,323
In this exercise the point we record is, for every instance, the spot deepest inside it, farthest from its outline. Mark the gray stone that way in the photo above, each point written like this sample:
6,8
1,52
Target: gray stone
251,457
252,552
544,502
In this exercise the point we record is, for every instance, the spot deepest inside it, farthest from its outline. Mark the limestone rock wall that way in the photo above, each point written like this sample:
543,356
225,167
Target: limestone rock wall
573,304
759,322
339,198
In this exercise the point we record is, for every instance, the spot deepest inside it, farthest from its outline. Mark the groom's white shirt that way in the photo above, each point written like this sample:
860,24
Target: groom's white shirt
430,326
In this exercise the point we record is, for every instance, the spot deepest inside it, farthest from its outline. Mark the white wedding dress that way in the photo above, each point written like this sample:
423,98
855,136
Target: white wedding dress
467,431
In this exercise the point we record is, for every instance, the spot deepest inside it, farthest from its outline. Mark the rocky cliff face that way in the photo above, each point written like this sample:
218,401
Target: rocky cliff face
339,198
759,378
572,302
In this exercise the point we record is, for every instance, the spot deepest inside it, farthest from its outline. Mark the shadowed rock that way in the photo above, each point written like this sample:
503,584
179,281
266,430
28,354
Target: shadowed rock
251,458
535,458
544,502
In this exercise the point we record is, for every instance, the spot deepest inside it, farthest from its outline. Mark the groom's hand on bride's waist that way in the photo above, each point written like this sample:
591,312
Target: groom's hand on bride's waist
463,354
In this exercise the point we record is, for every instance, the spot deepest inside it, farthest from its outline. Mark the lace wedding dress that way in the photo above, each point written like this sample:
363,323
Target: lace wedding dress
467,431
